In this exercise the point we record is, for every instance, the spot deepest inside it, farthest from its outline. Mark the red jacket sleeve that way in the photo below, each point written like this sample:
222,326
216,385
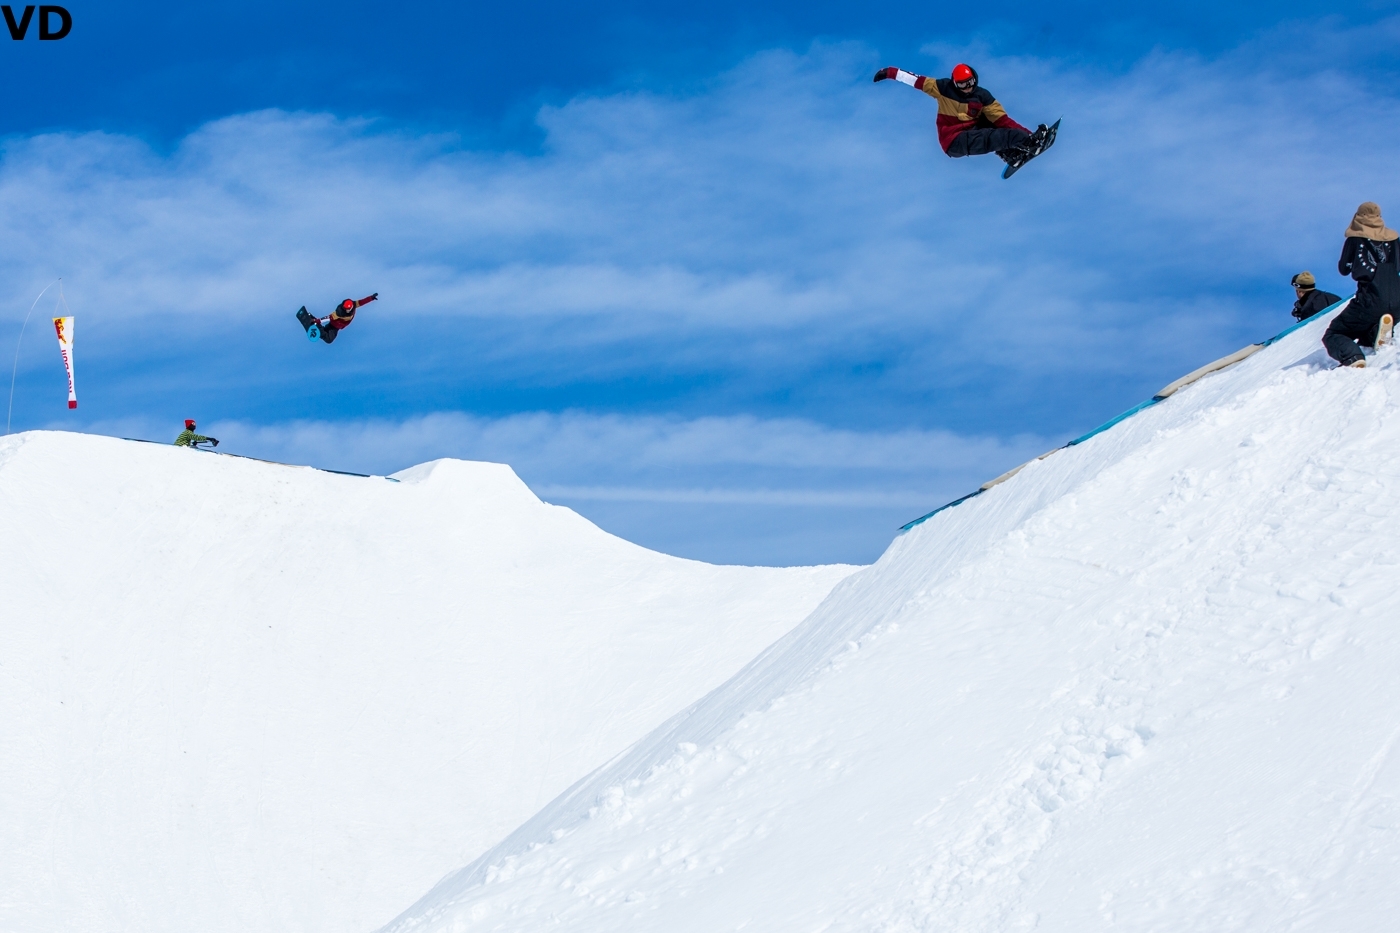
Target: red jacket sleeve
1006,123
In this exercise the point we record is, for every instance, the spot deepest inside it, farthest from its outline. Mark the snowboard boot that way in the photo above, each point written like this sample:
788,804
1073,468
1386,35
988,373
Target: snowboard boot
1017,156
1036,144
1385,332
1357,364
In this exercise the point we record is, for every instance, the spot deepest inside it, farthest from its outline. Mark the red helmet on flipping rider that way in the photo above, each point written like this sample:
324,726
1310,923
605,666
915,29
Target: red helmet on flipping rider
964,77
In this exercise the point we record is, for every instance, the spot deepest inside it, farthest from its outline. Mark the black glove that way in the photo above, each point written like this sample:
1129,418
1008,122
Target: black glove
884,73
214,441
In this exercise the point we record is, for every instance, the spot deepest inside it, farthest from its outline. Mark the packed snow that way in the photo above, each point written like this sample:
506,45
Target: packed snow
1150,683
241,696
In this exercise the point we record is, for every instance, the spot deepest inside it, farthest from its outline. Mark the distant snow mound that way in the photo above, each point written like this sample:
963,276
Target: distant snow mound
1149,683
240,696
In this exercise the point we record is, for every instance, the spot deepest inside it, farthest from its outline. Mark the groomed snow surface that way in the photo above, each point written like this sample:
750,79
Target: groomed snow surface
1151,683
240,697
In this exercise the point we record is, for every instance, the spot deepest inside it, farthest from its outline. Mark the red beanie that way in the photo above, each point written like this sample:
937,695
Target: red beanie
189,424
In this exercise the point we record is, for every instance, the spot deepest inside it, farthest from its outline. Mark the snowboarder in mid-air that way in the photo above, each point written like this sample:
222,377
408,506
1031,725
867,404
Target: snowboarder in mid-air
188,438
972,122
327,328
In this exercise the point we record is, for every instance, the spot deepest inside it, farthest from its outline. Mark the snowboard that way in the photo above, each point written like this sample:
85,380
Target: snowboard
308,320
1045,144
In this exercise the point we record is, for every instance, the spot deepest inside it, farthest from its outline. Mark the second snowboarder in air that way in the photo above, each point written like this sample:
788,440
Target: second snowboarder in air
329,327
972,122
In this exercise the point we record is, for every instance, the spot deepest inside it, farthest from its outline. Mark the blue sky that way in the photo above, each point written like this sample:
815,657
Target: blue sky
687,270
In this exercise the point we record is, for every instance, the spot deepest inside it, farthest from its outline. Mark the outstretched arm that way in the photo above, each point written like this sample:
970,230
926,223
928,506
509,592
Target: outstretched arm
918,82
364,301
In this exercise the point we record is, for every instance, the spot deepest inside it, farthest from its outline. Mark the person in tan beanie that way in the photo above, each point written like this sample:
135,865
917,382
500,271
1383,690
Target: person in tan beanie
1369,256
1311,299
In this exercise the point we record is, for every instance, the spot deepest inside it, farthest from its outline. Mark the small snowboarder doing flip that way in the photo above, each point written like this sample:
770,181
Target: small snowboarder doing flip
327,328
972,122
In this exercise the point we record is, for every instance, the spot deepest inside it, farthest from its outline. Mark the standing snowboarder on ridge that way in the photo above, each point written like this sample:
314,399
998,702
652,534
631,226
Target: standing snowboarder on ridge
329,327
971,121
1371,256
188,438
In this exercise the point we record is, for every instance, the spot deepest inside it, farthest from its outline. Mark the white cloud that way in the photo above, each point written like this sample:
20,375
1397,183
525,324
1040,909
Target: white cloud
788,194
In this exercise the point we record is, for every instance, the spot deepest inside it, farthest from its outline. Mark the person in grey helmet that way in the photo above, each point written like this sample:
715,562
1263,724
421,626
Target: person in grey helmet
1311,299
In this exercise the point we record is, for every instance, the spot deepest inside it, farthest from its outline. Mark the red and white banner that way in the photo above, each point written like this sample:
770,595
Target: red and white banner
64,327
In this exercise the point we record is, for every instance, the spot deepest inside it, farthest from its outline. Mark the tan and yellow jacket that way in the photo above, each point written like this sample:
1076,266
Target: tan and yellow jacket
959,112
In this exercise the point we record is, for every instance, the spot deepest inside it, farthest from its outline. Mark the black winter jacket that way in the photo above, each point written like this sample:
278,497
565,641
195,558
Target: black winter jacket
1314,301
1373,264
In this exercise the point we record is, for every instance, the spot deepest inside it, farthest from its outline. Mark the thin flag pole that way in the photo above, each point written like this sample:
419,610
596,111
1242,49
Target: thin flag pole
13,372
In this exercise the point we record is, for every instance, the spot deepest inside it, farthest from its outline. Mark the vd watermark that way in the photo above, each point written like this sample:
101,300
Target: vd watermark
19,28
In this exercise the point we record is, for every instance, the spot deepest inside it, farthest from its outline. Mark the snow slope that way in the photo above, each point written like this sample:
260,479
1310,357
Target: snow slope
1149,683
240,696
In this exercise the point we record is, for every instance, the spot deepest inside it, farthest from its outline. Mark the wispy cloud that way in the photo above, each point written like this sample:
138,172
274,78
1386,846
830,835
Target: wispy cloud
787,194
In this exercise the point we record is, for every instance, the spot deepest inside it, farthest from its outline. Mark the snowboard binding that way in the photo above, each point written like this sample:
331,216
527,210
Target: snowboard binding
1043,138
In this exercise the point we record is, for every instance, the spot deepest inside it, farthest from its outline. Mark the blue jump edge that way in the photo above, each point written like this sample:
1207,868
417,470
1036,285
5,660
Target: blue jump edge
220,453
1140,406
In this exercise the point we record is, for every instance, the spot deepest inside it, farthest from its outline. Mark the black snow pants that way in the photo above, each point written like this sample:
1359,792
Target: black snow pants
981,140
1373,264
1352,325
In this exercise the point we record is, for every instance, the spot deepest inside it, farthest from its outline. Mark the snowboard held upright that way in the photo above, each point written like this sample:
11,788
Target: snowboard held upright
309,321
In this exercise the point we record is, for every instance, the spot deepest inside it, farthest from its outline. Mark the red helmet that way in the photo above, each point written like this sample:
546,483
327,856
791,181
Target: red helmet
189,424
963,74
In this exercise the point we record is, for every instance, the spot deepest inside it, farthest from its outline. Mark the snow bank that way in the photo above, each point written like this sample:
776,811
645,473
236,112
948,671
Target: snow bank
1149,683
240,696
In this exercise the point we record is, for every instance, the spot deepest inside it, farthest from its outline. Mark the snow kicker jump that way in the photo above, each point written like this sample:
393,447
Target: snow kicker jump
326,329
972,122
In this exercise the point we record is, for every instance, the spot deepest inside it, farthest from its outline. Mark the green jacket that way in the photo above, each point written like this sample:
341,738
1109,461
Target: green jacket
189,439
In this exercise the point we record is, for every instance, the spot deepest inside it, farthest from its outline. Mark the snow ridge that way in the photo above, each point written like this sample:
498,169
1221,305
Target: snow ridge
1146,682
242,696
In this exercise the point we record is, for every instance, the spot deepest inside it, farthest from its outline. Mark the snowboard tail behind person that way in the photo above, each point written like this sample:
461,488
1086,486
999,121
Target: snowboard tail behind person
329,327
1370,256
971,121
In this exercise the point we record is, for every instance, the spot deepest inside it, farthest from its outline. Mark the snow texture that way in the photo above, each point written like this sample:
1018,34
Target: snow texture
240,696
1150,683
